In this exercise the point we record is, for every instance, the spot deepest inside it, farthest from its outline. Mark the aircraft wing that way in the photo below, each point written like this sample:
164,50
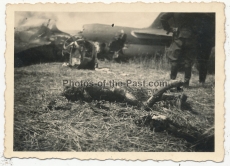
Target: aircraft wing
150,33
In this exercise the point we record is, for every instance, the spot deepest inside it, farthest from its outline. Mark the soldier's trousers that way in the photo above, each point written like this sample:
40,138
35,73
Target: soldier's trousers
203,58
182,52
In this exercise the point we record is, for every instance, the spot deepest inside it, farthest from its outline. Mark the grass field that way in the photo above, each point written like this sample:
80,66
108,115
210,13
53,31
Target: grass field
77,126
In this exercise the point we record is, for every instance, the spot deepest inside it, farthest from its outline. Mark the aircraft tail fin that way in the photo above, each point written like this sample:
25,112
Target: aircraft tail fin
157,22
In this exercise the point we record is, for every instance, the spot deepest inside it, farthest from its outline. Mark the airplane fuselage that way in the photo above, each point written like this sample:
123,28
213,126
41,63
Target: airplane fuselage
134,46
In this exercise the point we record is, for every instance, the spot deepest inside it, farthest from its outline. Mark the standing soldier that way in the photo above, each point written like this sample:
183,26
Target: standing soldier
183,49
122,39
206,41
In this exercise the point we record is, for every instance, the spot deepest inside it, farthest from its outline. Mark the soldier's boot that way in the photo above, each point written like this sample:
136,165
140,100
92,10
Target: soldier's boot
174,70
202,73
187,75
96,65
203,59
186,83
201,84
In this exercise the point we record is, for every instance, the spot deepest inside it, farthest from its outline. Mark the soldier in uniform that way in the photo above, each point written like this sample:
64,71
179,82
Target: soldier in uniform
85,51
183,49
118,43
122,39
206,42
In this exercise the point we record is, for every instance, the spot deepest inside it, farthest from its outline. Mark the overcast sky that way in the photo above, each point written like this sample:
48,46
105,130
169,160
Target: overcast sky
75,20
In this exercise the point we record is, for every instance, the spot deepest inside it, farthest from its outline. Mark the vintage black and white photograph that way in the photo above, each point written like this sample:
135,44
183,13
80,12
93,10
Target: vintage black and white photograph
114,81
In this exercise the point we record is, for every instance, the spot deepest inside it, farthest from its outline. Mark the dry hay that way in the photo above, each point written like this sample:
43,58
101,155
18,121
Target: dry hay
44,124
158,119
95,126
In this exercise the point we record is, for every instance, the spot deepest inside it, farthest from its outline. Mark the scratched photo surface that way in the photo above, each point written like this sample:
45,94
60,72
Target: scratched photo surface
114,82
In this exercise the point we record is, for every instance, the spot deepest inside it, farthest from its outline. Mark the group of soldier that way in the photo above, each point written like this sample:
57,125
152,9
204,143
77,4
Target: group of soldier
193,38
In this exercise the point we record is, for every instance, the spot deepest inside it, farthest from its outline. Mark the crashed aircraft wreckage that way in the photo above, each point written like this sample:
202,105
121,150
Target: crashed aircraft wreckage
43,42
